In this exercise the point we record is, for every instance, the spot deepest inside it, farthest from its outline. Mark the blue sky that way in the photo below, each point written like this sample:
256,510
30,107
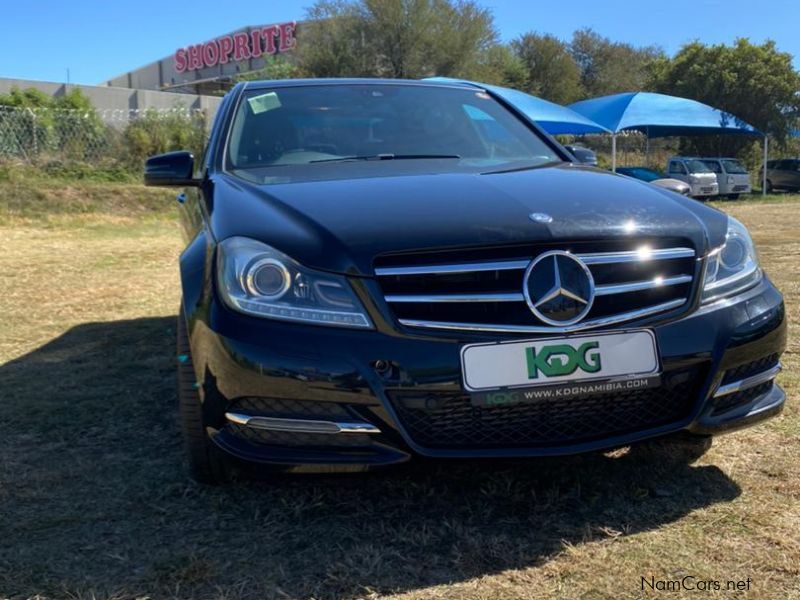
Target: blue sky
96,40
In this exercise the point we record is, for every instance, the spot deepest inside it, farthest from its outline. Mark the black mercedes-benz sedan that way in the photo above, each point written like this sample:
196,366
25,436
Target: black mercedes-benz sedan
382,269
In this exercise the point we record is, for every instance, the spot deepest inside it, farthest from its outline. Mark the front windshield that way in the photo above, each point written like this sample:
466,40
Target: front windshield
713,165
734,167
697,166
297,131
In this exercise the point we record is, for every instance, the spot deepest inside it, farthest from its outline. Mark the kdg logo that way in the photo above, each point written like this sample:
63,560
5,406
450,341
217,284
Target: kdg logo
562,359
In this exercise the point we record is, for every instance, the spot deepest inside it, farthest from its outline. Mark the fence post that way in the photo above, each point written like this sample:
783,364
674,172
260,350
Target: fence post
33,133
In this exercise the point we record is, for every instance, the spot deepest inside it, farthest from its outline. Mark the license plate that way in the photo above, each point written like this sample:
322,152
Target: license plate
545,362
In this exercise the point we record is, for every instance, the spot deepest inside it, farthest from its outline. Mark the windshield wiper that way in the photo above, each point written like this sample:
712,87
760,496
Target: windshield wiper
525,167
387,156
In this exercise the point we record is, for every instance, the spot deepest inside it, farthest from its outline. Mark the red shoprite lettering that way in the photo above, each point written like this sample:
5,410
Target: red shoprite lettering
239,46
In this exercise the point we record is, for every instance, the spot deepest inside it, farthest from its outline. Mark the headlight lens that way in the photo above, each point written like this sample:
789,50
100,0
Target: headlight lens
734,266
256,279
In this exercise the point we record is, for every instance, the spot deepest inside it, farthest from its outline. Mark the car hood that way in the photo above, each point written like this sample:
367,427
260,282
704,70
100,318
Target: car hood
669,183
342,225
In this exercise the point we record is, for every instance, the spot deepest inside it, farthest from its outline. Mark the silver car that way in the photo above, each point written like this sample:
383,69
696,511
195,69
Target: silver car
657,179
732,177
696,173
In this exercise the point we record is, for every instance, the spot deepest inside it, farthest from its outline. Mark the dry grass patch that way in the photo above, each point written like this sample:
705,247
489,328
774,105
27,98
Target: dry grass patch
96,503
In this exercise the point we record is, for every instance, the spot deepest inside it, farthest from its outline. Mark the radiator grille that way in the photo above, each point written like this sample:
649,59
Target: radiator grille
448,419
482,289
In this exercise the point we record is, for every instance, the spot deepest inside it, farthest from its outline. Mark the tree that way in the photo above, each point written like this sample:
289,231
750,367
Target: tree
608,67
552,73
500,66
395,38
275,67
756,83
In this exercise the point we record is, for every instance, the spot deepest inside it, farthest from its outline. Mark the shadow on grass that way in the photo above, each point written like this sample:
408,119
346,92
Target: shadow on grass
96,501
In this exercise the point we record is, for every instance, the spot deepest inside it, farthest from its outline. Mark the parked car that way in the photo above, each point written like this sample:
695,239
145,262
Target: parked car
656,178
696,173
732,176
584,155
783,174
369,278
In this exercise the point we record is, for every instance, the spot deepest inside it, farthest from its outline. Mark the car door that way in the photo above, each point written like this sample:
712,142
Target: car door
783,174
792,174
677,170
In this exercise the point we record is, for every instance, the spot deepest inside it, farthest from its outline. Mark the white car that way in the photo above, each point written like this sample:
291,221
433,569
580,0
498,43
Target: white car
696,173
732,177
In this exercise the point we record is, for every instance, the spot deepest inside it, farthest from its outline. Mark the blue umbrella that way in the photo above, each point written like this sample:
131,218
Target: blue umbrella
553,118
659,115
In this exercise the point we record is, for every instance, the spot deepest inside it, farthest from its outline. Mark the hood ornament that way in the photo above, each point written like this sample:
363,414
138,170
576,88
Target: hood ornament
538,217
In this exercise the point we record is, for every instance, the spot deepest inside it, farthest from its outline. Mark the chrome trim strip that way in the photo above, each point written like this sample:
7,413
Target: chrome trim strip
595,258
500,265
607,258
300,425
748,382
638,286
634,314
477,297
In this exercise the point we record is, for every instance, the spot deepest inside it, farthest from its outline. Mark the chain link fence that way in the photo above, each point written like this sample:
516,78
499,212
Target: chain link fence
102,138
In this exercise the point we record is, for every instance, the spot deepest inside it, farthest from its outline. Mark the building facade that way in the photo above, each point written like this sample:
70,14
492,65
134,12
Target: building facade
208,67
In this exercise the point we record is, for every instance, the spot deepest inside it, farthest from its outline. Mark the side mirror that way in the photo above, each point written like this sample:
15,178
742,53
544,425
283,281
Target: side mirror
170,169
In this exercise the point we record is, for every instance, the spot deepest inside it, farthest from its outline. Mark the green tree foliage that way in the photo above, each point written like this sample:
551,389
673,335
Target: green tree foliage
757,83
155,132
608,67
499,66
275,67
395,38
551,71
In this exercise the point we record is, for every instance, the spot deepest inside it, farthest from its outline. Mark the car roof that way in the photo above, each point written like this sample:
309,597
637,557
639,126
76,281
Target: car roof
283,83
703,158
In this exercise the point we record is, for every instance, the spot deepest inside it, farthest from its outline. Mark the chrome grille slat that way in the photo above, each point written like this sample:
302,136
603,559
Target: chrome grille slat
619,318
593,258
475,295
500,265
610,258
600,290
639,286
501,297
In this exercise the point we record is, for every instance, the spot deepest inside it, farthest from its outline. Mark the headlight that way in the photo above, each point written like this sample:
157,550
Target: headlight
694,179
256,279
732,267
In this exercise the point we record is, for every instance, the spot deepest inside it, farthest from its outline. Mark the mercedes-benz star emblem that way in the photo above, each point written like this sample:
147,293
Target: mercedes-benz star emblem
540,218
558,288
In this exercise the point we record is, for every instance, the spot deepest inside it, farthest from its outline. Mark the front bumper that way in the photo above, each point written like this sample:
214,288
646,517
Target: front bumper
702,190
280,372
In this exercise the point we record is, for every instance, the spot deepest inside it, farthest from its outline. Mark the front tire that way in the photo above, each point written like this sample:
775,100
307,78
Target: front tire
770,188
206,463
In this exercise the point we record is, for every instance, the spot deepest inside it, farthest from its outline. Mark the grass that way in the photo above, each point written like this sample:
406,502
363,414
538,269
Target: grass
95,502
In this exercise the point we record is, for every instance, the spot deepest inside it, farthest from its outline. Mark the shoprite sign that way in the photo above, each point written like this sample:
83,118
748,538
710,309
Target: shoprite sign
271,39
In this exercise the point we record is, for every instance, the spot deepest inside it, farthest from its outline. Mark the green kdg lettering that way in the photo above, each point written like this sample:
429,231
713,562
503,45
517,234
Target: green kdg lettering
563,359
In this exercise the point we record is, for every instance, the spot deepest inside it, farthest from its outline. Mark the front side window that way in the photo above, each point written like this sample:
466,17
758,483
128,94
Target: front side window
296,131
677,167
734,167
